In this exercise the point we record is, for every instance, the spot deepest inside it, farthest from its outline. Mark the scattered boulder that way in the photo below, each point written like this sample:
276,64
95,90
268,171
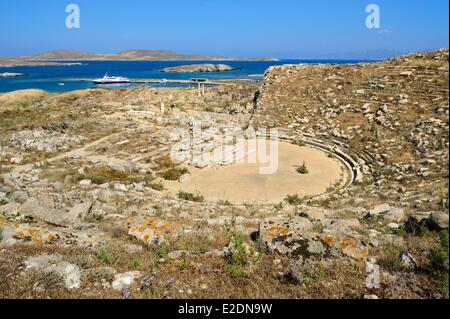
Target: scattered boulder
348,245
125,280
8,208
378,210
41,261
16,160
37,209
23,233
408,260
342,226
132,249
285,236
104,196
440,220
151,230
395,215
79,212
184,178
296,238
70,273
85,182
120,187
53,263
176,254
432,222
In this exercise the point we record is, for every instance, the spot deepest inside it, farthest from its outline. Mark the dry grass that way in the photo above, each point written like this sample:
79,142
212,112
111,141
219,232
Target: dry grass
192,277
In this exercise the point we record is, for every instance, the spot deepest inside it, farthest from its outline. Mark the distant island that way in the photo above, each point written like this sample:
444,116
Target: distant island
199,68
9,63
130,55
11,75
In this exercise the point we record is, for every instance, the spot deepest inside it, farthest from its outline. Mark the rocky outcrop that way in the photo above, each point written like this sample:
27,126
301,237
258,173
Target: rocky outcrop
39,210
151,230
199,68
296,238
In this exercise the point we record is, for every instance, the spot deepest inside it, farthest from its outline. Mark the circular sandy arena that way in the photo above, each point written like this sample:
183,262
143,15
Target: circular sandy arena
242,182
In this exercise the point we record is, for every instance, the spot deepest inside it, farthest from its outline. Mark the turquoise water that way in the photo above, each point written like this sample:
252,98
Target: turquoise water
50,78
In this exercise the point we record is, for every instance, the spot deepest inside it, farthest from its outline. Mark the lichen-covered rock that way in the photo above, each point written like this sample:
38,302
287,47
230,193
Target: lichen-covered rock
151,230
13,233
286,236
348,245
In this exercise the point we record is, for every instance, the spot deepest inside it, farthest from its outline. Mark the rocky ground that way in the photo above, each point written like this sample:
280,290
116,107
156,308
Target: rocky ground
84,212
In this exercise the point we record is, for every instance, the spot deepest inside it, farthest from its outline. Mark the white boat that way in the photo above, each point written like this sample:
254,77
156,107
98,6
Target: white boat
111,80
163,81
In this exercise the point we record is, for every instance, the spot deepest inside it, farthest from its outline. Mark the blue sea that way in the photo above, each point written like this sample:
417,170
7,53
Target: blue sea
70,78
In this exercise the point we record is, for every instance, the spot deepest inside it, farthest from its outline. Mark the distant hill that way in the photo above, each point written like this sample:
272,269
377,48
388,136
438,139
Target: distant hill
59,55
130,55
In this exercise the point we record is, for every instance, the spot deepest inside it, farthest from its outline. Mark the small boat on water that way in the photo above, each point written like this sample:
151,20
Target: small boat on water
61,84
111,80
163,81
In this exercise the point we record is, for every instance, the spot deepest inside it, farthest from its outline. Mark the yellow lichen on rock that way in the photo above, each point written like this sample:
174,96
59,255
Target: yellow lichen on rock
349,246
277,231
25,233
150,230
2,221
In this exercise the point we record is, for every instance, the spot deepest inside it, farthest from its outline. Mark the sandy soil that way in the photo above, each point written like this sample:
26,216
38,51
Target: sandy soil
242,182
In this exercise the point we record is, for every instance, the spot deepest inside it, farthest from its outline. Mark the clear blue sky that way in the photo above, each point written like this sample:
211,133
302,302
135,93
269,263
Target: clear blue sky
283,28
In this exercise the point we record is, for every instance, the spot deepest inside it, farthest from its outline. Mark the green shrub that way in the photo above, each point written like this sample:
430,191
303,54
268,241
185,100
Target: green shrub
190,197
157,186
161,251
299,142
173,174
293,199
278,206
302,169
439,256
242,257
105,255
438,261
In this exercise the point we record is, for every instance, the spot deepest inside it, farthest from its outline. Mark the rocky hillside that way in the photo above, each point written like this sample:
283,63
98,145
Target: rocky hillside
393,114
